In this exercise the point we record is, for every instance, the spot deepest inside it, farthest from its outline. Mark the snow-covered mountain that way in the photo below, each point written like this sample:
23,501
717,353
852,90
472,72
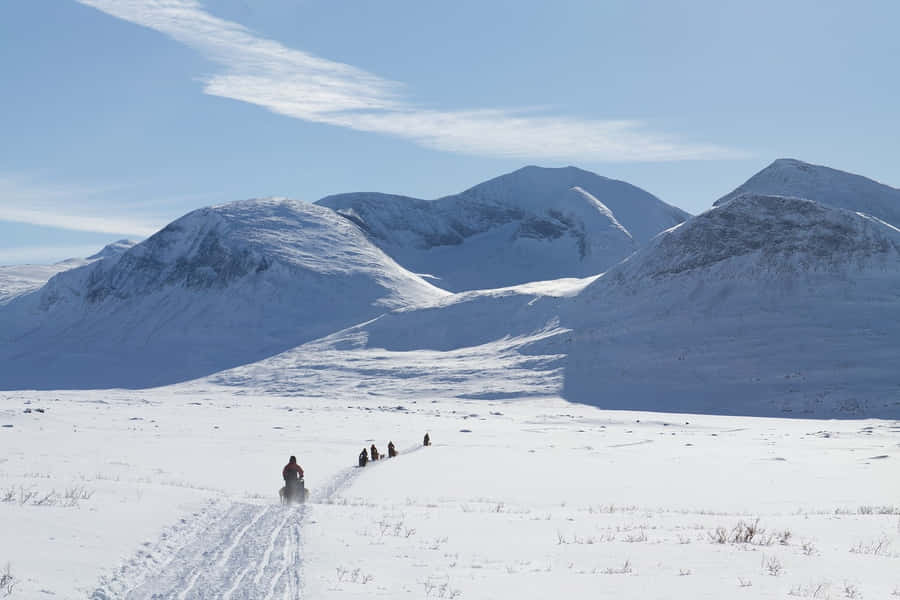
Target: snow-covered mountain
218,287
764,305
532,224
16,280
113,250
789,177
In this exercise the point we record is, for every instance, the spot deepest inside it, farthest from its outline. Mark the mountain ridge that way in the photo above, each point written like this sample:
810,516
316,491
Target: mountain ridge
529,222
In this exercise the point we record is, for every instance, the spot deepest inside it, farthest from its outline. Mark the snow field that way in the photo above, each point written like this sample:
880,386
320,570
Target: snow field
538,497
613,508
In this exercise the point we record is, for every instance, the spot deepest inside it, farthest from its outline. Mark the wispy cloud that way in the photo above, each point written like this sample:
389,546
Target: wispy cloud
40,255
73,206
303,86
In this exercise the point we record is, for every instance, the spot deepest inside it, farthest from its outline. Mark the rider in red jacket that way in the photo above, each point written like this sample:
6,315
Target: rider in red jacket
292,470
293,478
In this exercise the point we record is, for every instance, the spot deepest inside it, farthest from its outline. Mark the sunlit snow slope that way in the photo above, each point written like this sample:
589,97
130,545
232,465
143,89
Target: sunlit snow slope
20,279
532,224
765,305
789,177
219,287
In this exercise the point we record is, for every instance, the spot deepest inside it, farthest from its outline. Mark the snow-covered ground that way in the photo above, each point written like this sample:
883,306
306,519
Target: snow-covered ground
173,491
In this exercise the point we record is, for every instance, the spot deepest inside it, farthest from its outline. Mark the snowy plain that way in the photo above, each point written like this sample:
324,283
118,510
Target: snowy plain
173,491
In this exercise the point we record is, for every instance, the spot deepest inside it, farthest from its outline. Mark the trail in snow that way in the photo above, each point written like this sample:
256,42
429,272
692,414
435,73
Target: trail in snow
250,552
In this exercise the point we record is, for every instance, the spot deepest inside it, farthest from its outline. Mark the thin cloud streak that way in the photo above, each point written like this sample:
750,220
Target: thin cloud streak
67,207
42,255
303,86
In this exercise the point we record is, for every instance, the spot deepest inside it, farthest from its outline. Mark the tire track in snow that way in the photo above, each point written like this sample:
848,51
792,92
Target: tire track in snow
249,553
230,567
264,561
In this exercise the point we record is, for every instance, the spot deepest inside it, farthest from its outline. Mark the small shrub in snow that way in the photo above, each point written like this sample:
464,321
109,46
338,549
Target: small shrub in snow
746,533
874,548
440,590
808,549
354,576
719,535
640,536
749,533
684,572
772,565
7,581
744,582
851,591
394,529
625,569
76,494
868,509
31,497
48,499
436,543
813,590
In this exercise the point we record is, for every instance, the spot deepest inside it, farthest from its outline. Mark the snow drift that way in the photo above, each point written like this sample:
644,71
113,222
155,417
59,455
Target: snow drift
221,286
529,225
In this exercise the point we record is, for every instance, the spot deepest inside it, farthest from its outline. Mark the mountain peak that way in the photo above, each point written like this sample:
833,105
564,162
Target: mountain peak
533,223
114,249
792,177
221,286
758,236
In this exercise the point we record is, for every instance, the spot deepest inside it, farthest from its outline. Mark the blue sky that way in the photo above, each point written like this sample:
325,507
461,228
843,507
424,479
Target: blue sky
120,115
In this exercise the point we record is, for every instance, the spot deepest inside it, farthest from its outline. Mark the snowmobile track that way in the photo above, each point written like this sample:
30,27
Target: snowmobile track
250,552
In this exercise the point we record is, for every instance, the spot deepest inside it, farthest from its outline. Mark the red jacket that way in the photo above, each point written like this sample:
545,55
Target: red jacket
292,468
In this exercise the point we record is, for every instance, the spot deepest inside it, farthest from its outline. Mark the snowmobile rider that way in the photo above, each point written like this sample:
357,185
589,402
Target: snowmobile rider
363,458
392,452
293,475
427,440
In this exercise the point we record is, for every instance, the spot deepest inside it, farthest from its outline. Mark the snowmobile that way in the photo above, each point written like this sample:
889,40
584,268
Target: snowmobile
294,492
